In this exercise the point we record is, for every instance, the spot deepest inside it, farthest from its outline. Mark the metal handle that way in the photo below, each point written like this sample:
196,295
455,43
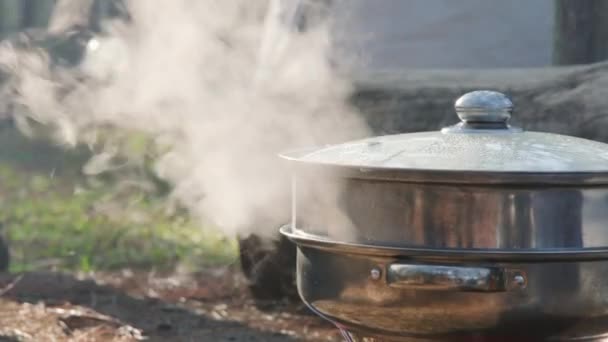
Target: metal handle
453,278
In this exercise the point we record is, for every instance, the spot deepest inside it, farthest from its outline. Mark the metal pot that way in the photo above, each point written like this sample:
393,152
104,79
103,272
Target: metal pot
480,231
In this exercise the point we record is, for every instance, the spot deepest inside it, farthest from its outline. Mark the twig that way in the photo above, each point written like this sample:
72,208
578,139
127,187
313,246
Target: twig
10,286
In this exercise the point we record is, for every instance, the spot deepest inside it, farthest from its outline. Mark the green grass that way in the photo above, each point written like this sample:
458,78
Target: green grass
53,217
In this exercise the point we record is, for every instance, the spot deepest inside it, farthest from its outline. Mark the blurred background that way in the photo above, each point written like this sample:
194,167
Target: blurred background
59,213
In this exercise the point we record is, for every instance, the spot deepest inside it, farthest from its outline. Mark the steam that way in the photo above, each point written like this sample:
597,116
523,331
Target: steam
223,86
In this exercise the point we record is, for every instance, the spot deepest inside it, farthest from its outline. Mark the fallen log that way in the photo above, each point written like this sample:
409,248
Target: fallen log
566,100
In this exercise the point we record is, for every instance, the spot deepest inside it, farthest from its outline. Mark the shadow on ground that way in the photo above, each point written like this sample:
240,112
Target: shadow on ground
56,306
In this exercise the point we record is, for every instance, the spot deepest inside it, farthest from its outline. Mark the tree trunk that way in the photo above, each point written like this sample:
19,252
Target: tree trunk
38,12
580,32
11,16
99,11
68,14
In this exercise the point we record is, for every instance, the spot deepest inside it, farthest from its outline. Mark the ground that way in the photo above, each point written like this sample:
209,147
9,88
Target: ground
102,258
212,305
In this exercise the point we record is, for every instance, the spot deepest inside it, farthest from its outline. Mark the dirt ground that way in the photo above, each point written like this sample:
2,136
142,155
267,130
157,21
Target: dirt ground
213,305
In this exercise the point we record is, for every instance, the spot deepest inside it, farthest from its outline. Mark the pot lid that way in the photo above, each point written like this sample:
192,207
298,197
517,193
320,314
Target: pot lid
483,142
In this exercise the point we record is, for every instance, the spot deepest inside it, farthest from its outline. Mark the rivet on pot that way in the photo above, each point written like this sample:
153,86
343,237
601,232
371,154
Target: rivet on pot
375,273
519,280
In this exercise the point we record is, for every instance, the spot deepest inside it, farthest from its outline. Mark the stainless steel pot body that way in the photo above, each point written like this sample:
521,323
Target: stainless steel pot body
413,298
496,219
409,261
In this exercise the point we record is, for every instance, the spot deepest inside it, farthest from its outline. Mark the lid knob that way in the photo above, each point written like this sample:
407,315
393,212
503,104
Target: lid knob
484,106
483,111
